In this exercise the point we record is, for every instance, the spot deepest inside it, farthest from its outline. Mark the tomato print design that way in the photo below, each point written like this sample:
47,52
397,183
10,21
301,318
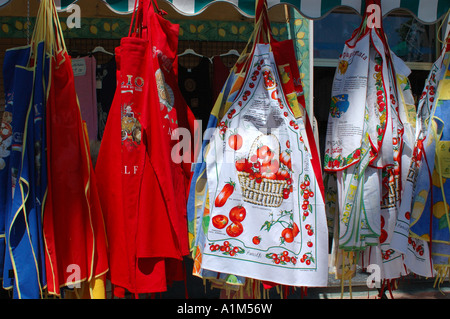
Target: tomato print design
224,194
226,249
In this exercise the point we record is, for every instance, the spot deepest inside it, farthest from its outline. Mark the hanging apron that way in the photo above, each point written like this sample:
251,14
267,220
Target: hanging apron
143,192
347,147
76,237
199,199
25,265
365,153
176,116
256,229
430,213
353,141
18,95
137,178
198,205
25,261
391,262
73,227
415,250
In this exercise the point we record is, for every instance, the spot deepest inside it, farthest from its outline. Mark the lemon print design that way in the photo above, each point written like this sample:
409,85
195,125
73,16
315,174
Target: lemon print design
5,28
437,180
419,204
93,29
440,209
19,25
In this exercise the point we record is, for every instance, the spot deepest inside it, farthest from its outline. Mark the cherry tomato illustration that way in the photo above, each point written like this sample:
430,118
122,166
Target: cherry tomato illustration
256,240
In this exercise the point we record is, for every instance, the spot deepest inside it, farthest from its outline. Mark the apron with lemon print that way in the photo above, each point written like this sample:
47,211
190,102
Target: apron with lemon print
416,250
430,214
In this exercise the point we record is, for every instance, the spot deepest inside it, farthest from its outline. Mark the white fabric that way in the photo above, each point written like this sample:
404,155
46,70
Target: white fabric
262,117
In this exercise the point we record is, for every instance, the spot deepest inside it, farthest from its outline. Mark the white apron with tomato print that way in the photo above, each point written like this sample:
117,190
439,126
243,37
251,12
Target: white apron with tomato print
364,145
267,211
401,136
356,127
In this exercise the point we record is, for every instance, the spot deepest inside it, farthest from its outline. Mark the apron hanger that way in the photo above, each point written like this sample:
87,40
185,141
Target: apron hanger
191,52
231,52
101,50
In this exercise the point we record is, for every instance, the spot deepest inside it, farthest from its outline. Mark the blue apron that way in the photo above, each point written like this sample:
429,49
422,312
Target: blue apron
18,95
432,193
433,221
24,238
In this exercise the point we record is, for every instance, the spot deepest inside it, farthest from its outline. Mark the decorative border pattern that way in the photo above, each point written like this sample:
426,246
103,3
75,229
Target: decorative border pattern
116,28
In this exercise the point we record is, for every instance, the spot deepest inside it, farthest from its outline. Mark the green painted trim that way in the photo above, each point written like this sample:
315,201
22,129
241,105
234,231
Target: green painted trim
104,28
211,30
116,28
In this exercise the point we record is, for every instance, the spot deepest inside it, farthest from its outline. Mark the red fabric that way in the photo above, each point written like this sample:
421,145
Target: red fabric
73,225
164,39
143,192
108,171
220,74
284,53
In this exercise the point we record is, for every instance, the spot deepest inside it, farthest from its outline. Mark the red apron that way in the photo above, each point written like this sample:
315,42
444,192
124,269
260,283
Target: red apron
143,192
284,54
73,223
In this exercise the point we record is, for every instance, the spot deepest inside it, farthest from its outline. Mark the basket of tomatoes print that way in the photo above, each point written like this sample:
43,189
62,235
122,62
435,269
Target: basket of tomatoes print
259,173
